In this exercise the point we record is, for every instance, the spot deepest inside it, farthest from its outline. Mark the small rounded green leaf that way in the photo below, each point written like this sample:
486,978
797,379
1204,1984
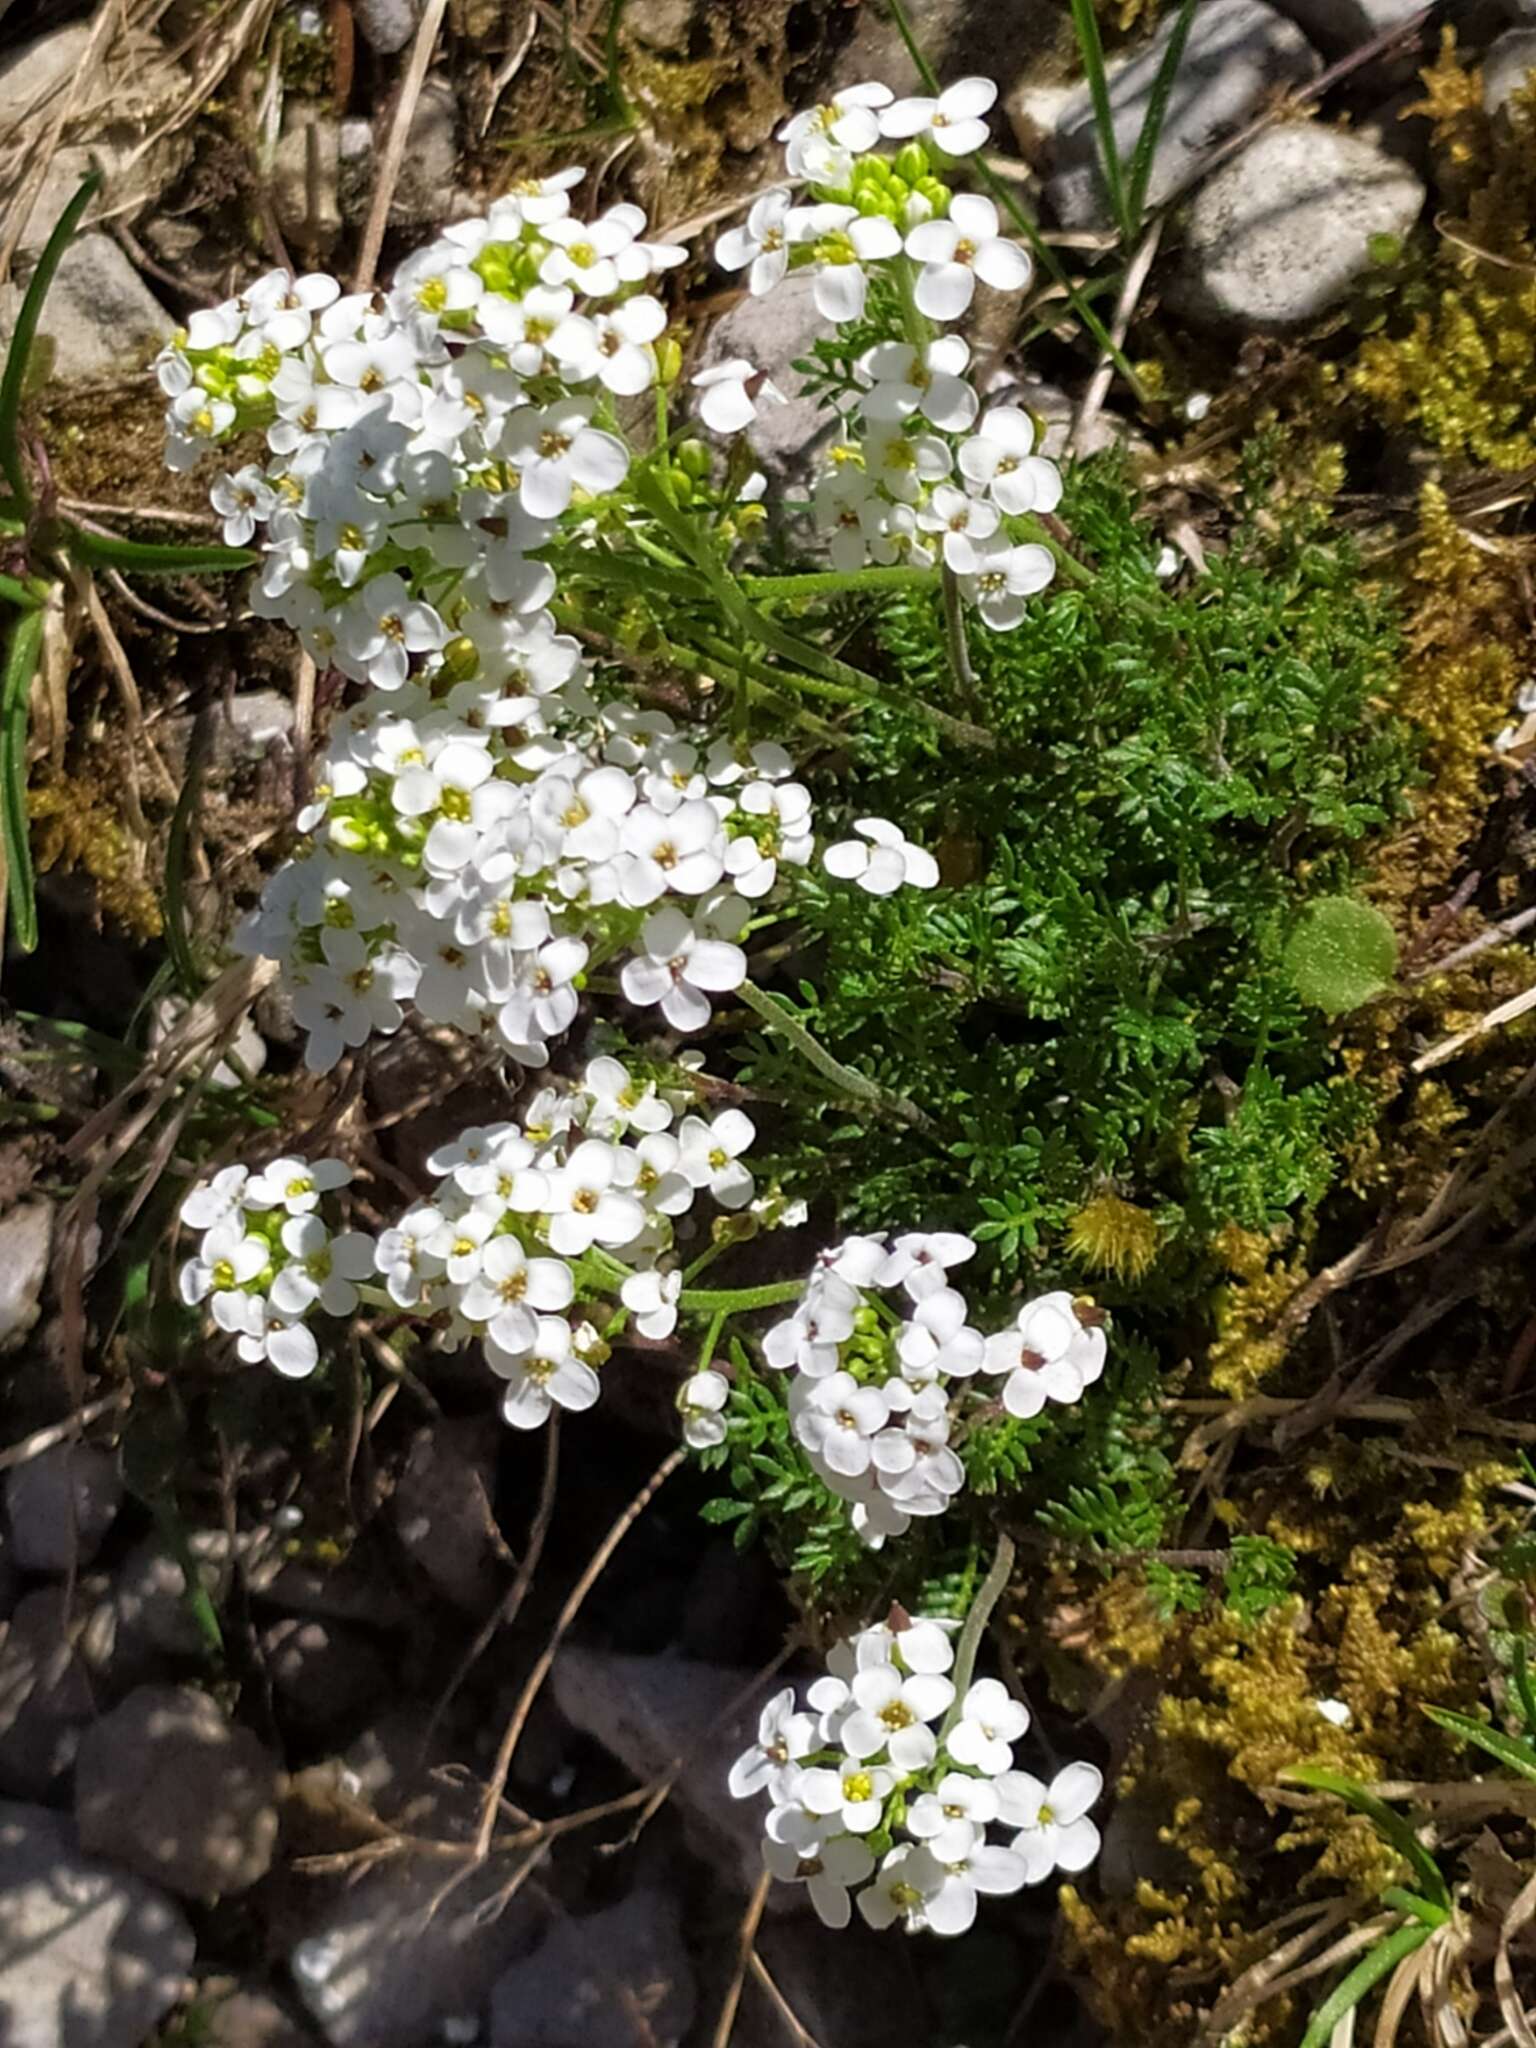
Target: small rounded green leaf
1341,954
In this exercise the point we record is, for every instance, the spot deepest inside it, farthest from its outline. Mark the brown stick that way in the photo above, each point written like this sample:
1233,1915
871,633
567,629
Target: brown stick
725,2026
568,1614
395,143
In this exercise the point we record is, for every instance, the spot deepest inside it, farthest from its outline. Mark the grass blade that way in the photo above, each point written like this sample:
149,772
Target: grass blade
177,932
1369,1971
1519,1756
1140,175
22,653
1085,27
20,352
1389,1825
152,558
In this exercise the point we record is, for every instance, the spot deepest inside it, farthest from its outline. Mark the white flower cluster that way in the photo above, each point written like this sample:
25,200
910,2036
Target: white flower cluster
885,1783
877,1394
919,474
483,829
268,1259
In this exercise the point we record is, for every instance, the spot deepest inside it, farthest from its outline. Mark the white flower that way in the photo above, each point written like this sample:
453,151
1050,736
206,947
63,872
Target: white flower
1001,577
586,1206
827,1869
962,521
998,460
290,1349
242,501
213,1201
891,1709
681,850
853,1796
619,1103
510,1291
840,284
1054,1830
889,861
909,1878
957,1796
611,347
938,1338
651,1298
585,254
321,1268
381,628
763,242
850,120
709,1156
957,250
905,380
919,1260
783,1737
700,1400
550,1376
295,1184
403,1258
953,120
1049,1354
970,1864
555,448
679,969
990,1720
836,1419
227,1261
733,392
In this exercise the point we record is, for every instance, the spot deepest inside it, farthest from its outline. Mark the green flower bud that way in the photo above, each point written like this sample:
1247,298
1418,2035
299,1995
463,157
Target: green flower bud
693,459
461,659
681,485
936,194
669,361
911,161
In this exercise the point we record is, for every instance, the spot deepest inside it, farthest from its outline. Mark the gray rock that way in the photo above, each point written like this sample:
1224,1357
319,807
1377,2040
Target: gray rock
26,1238
61,1505
10,1578
998,38
1339,26
650,1711
1279,234
149,1593
306,177
254,2019
45,1695
258,718
442,1511
1507,67
362,1588
661,24
323,1673
101,319
427,176
609,1980
1240,53
136,85
846,1985
170,1787
387,1959
1035,110
89,1957
771,332
387,25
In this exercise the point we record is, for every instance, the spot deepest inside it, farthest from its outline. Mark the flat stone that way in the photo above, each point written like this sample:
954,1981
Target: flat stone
45,1695
26,1238
607,1980
649,1711
89,1957
254,2019
1281,233
387,25
61,1505
442,1511
427,176
167,1785
771,333
306,177
101,320
1507,68
1239,55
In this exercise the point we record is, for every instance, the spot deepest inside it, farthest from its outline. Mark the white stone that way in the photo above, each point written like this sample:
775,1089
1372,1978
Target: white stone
89,1957
1240,53
1507,67
26,1238
1280,234
771,333
100,321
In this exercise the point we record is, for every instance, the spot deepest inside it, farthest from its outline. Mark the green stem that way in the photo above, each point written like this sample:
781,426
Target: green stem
18,594
779,1017
711,1339
993,1587
829,582
730,1301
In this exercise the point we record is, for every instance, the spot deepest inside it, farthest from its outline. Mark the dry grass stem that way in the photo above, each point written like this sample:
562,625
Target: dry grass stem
725,2026
393,154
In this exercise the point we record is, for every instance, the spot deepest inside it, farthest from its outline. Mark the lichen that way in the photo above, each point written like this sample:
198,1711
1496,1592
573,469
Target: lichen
77,824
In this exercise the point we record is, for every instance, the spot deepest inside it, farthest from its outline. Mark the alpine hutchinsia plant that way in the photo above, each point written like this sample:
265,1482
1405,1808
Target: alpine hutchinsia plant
468,478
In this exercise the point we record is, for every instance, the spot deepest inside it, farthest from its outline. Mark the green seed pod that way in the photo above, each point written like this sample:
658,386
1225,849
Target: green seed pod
669,361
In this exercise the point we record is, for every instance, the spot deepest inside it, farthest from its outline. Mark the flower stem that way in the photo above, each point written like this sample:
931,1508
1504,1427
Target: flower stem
730,1301
779,1017
955,640
828,582
993,1586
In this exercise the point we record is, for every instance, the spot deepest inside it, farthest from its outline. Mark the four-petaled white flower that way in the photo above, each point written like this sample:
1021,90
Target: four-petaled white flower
733,394
954,120
762,242
991,1720
700,1401
1054,1831
999,459
680,970
783,1737
548,1376
957,250
883,861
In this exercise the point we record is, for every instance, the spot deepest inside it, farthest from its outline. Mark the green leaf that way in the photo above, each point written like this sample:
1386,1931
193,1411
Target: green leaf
1520,1756
1157,108
152,558
1085,26
1389,1825
1341,954
1369,1971
25,333
21,659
